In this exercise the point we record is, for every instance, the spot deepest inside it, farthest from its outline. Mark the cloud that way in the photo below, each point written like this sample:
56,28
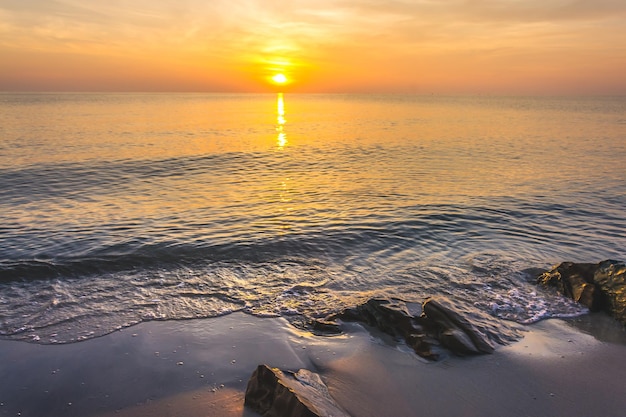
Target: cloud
366,41
486,11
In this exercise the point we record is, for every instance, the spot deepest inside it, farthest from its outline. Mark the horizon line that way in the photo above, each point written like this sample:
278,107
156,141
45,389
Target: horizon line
371,93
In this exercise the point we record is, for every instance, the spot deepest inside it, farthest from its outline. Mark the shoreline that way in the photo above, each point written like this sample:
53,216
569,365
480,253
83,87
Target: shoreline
201,367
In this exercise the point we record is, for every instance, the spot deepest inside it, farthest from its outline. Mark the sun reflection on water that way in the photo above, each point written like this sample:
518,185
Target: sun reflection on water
281,139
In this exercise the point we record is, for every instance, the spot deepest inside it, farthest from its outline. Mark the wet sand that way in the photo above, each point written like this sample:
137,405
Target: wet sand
201,367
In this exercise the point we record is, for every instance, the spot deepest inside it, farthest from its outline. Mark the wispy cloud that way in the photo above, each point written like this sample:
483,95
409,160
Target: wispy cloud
358,44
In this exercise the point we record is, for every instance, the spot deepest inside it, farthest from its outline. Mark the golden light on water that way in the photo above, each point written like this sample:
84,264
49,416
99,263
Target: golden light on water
281,140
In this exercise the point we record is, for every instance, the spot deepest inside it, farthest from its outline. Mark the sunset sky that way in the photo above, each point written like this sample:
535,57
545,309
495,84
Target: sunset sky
418,46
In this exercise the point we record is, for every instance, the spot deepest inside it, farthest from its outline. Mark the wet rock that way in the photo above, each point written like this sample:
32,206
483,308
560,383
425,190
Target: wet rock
456,332
392,316
275,393
388,315
600,287
324,327
574,281
611,278
438,323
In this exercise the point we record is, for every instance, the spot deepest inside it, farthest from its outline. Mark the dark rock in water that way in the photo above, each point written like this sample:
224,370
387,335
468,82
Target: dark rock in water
456,333
575,281
600,287
274,393
440,324
325,326
317,326
393,317
388,315
611,278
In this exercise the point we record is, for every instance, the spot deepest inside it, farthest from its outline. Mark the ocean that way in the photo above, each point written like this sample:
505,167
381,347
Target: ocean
121,208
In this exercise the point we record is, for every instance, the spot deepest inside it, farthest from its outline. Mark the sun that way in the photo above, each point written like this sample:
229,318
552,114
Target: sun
279,79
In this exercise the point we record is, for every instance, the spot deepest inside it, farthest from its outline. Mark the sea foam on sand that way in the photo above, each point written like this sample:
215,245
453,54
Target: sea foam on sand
201,368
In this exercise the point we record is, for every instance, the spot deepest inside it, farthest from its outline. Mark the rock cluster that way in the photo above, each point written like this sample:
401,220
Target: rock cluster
431,329
438,325
600,287
275,393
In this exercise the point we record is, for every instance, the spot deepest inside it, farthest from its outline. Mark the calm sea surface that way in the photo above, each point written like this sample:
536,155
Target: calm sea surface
121,208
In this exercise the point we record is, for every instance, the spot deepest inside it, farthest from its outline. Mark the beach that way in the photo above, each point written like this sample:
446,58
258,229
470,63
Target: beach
156,248
409,209
201,368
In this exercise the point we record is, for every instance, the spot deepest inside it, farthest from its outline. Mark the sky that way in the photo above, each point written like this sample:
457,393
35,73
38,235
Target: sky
347,46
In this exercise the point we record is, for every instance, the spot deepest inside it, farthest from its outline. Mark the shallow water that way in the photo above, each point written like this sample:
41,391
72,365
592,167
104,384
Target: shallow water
121,208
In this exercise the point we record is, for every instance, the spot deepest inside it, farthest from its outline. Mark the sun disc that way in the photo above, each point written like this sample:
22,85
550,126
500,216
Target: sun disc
279,78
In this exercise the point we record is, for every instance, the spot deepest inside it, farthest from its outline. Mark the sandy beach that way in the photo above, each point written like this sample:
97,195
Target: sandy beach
201,368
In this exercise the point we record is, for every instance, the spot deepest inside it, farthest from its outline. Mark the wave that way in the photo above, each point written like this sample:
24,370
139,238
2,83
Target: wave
73,309
537,233
91,178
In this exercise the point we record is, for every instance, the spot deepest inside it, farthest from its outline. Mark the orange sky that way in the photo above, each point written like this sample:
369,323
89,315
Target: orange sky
418,46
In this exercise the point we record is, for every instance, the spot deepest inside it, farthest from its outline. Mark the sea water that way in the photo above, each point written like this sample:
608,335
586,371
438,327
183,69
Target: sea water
121,208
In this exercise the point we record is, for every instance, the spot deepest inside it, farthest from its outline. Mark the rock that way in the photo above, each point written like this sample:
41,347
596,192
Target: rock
610,277
323,327
393,317
574,281
439,322
388,315
456,332
600,287
274,393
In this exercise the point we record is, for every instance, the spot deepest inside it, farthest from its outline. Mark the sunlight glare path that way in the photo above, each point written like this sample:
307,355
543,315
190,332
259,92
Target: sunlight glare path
280,121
